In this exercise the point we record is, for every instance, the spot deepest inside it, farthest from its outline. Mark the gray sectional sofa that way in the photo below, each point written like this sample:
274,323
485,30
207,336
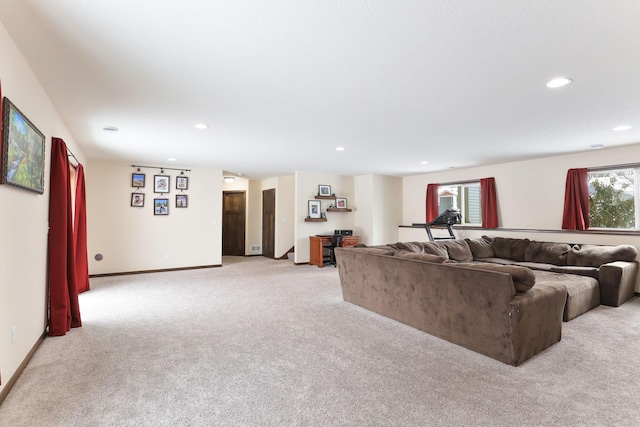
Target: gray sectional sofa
502,297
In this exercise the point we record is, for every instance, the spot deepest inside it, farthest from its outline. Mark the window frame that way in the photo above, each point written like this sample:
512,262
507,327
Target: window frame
463,211
635,167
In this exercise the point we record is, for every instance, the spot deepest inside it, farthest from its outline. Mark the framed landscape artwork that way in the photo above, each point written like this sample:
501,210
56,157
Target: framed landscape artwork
161,206
22,150
137,180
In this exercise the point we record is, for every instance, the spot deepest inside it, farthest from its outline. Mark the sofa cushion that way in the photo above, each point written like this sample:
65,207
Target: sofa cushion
547,252
596,255
422,257
377,250
421,248
506,247
457,249
523,278
583,293
580,271
480,248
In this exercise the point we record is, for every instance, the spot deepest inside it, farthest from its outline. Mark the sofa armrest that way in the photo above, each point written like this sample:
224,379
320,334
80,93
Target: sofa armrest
535,317
617,282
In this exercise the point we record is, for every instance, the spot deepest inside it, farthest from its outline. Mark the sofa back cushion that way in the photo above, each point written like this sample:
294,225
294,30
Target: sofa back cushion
422,257
522,277
421,248
457,249
509,248
596,255
547,252
480,248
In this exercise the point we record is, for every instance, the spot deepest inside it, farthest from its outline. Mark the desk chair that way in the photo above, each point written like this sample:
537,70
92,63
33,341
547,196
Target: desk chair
336,242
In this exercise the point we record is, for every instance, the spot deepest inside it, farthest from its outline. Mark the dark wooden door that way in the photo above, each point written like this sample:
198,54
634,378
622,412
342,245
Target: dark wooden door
269,222
233,222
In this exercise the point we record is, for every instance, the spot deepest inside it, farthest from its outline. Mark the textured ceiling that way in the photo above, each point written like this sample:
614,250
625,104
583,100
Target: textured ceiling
282,83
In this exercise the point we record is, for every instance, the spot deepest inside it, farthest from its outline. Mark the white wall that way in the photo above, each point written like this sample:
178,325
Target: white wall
24,219
285,214
134,239
530,197
379,201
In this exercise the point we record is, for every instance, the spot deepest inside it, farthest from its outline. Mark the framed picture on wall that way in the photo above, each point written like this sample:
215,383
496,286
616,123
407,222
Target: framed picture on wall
22,150
161,206
137,200
182,183
324,190
182,201
314,209
161,183
341,203
137,180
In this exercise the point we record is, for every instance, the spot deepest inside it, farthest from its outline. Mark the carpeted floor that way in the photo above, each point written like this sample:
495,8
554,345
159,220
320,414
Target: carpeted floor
262,342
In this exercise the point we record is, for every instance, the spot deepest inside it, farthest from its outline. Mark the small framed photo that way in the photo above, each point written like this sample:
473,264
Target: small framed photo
182,201
161,206
341,203
182,183
137,200
161,183
137,180
314,209
324,190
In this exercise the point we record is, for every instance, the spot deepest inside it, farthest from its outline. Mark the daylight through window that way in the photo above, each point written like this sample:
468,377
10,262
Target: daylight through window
465,198
614,197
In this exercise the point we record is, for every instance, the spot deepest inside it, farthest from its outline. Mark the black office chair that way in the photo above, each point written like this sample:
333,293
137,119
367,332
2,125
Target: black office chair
336,242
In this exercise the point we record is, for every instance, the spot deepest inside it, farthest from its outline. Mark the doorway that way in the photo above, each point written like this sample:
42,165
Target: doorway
233,222
269,222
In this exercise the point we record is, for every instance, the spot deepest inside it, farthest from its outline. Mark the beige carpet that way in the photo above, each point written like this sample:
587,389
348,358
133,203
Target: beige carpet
261,342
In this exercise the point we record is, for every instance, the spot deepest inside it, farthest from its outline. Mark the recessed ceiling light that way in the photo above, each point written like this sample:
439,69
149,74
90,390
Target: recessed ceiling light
171,159
559,82
621,128
340,148
596,146
110,129
201,126
424,162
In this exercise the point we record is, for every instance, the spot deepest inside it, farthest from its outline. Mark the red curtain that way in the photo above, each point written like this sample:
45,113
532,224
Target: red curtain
489,203
80,234
432,202
64,311
576,201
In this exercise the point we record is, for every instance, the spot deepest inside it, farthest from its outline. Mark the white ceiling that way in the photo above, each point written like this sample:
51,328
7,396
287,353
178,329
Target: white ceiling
281,83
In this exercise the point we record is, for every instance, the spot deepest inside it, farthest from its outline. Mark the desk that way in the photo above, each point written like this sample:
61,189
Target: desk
317,245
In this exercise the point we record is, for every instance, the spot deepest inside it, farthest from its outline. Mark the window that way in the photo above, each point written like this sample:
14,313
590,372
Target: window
614,198
465,198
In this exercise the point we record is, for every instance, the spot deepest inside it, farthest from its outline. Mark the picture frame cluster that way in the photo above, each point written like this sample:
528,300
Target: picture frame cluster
161,186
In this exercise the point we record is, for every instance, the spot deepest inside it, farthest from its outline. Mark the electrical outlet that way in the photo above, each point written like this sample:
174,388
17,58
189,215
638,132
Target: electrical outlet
13,334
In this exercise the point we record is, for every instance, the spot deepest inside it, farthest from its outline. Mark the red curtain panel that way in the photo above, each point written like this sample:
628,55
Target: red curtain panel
576,201
64,311
489,203
432,202
80,234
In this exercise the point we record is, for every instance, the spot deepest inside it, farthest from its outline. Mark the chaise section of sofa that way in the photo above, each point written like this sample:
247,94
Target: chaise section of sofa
476,308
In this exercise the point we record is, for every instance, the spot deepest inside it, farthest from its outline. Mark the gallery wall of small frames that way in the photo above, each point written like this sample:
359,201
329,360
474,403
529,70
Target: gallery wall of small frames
161,188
